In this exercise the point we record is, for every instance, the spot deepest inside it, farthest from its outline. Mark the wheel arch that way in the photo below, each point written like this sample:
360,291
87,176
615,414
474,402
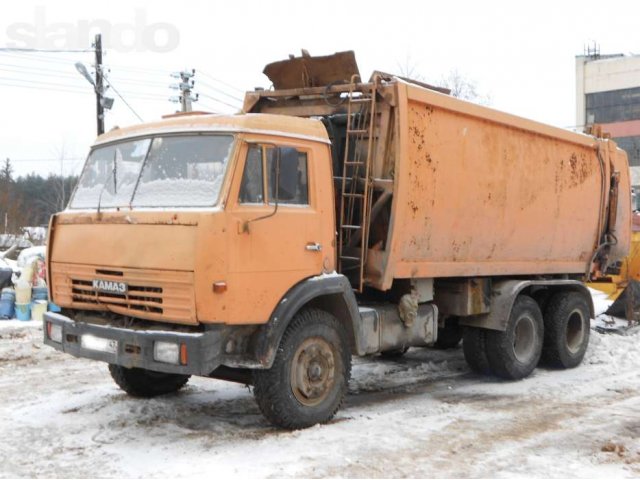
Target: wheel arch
331,293
505,292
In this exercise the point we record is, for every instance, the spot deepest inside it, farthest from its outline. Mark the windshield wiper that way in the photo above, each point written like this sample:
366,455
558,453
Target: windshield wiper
113,175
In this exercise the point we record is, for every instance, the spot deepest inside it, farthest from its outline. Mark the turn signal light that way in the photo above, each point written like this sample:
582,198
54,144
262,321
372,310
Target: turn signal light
219,287
183,354
54,332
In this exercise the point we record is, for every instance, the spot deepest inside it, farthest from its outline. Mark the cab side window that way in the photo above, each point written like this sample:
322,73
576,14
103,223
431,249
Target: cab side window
287,165
292,187
252,186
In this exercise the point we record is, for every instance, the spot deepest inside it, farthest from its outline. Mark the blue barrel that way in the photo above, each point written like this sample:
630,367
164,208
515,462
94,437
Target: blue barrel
23,311
7,303
39,293
54,308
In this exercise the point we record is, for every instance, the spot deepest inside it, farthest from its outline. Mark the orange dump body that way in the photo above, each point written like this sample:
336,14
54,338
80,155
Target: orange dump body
482,193
462,190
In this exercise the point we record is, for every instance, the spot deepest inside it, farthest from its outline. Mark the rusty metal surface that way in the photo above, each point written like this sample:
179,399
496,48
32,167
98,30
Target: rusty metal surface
390,76
166,296
307,71
480,192
463,297
505,292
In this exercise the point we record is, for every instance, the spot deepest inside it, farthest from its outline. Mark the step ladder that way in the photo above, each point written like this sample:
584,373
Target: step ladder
355,202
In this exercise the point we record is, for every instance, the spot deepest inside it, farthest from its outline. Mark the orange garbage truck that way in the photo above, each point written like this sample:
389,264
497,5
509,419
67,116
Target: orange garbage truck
332,217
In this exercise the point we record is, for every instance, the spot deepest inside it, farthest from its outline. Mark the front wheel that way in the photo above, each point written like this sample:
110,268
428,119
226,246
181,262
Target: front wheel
139,382
310,374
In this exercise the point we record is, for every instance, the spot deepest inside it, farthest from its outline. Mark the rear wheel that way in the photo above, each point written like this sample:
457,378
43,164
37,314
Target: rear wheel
139,382
309,377
566,330
474,348
514,353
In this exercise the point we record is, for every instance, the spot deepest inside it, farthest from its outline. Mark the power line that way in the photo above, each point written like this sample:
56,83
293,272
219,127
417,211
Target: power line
38,69
40,58
208,107
233,97
140,82
39,74
44,50
36,87
137,69
37,82
122,98
221,81
219,101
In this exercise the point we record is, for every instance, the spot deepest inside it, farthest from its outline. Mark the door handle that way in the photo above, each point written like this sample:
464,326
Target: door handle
313,247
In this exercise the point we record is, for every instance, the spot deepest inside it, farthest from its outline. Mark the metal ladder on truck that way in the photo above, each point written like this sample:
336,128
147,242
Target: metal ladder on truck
355,202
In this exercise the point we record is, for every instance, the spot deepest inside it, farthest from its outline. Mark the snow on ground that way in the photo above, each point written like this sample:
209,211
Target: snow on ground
425,415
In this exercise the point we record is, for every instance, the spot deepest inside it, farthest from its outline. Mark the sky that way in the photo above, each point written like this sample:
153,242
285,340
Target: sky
519,54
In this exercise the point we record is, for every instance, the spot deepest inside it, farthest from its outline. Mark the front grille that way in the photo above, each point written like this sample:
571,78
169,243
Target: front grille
141,298
154,295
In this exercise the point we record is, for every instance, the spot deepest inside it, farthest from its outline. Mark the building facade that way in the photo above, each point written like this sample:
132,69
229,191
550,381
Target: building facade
608,94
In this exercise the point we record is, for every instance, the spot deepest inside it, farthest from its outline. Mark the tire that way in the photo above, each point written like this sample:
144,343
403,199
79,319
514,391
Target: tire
309,377
139,382
514,353
450,335
566,330
474,348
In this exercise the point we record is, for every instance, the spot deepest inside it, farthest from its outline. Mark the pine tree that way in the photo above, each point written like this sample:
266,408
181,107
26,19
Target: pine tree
6,173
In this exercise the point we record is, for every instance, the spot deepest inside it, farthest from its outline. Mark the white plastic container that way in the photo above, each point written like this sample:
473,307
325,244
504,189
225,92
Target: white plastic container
23,291
38,309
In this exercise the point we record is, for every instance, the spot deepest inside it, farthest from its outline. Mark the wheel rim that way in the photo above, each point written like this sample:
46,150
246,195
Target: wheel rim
313,371
524,339
575,331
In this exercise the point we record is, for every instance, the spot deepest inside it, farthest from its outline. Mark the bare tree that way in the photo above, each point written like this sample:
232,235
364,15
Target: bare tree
56,197
462,87
409,69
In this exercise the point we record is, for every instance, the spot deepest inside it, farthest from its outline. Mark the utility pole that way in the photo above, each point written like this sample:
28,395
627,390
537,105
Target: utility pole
185,86
99,85
102,102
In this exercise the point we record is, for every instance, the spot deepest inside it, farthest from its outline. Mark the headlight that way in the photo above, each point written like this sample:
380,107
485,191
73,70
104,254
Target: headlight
91,342
54,332
166,352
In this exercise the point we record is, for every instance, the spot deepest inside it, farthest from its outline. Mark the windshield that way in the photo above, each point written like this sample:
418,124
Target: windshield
168,171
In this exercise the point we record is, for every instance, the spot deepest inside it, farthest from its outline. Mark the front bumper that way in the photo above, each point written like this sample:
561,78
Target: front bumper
135,347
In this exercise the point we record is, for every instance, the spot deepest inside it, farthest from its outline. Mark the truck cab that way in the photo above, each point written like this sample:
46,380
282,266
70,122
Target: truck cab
183,221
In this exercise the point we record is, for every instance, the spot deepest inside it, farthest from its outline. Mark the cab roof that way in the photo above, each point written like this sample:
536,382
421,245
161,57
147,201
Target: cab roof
281,125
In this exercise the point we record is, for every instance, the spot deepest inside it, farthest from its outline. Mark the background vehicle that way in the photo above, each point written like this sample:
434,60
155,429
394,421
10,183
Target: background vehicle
267,247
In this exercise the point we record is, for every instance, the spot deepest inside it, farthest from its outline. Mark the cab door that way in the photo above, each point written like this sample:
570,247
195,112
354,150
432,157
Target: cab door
275,231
